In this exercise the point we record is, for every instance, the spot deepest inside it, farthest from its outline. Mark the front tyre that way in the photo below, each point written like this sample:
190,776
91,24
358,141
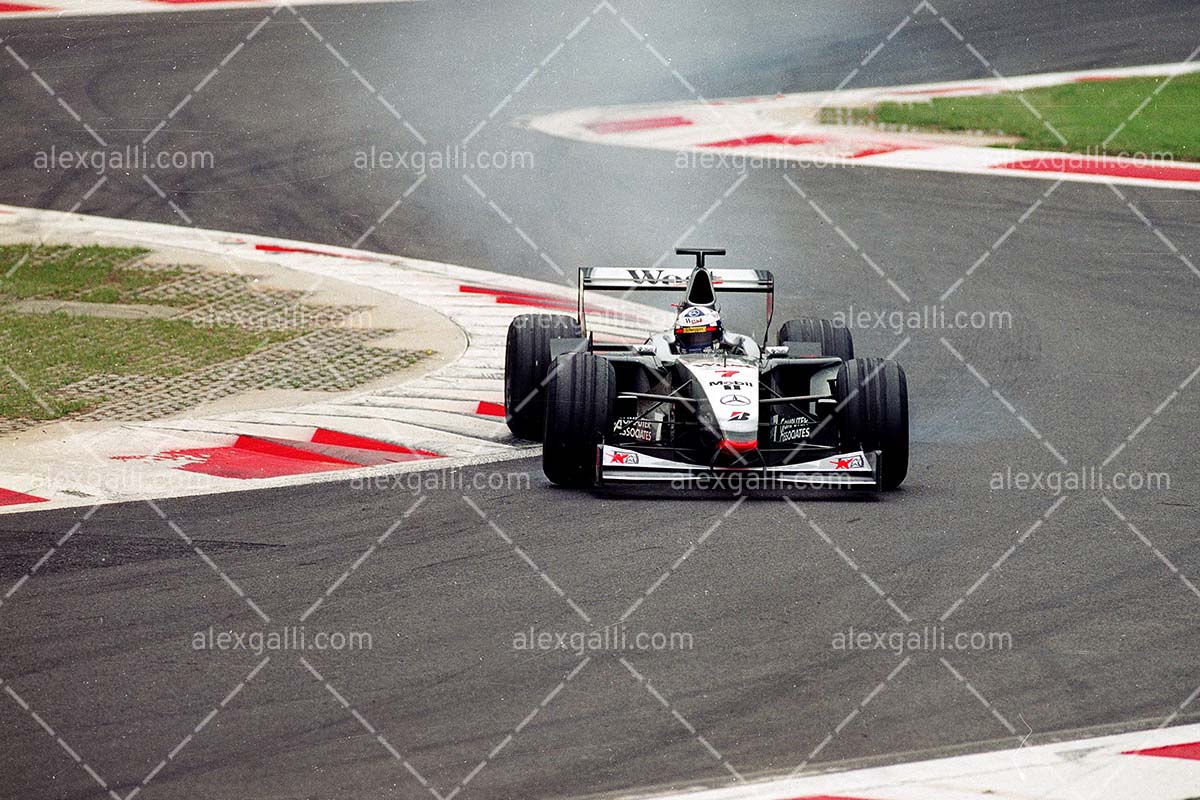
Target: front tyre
872,396
526,364
580,397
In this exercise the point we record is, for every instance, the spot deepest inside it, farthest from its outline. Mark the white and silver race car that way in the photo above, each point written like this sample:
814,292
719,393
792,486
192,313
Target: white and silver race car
699,405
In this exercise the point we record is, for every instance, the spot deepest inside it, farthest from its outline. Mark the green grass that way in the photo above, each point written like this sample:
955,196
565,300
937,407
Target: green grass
87,274
1084,113
50,351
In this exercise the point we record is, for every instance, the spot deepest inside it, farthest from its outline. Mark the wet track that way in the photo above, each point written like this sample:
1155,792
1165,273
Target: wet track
1103,331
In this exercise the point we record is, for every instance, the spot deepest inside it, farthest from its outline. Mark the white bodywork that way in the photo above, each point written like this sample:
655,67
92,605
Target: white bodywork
731,387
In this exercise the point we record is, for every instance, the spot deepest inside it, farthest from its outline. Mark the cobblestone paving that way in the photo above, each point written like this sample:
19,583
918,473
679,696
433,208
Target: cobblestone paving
331,350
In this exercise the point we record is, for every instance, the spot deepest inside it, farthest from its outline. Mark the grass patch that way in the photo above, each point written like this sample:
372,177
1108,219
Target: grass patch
50,351
86,274
1084,113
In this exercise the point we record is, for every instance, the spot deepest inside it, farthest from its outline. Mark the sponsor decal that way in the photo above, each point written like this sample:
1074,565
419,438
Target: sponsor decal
641,429
693,313
727,373
655,276
739,416
624,458
791,429
735,400
855,462
696,329
732,386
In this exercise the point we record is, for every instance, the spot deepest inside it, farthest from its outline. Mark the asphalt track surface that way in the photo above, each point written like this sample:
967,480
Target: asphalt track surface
100,641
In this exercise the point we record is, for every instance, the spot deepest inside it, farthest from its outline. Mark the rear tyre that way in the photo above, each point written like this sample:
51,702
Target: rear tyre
835,340
873,396
526,364
579,404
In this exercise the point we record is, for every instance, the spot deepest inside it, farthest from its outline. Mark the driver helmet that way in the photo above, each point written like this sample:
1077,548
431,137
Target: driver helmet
698,329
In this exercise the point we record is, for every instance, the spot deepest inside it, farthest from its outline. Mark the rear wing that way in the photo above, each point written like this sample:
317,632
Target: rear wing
758,281
664,278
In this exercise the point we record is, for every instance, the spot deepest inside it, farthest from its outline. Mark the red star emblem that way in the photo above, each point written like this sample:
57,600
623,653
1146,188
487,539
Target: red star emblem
619,458
841,463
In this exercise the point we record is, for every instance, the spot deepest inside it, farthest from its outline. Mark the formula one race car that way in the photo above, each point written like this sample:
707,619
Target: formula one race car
702,406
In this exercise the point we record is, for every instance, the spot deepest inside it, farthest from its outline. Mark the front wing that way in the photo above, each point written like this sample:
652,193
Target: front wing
853,470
